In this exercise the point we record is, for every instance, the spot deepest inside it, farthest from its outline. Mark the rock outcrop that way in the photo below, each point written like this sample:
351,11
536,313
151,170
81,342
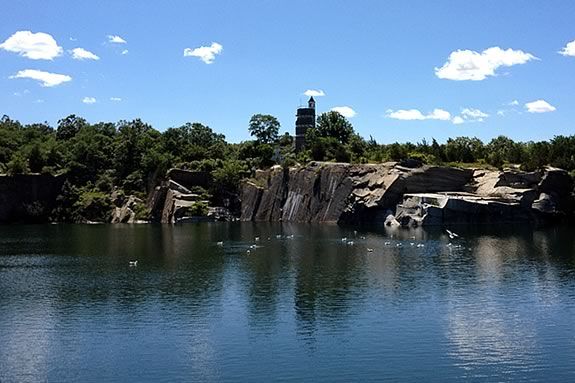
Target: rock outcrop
174,201
393,194
125,210
28,197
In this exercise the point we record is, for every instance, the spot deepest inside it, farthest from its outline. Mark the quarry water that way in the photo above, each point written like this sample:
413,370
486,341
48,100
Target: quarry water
495,304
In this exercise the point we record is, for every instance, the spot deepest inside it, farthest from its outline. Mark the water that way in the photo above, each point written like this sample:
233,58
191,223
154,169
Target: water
496,305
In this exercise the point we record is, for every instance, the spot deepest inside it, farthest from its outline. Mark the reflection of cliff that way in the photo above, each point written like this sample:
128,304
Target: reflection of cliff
328,277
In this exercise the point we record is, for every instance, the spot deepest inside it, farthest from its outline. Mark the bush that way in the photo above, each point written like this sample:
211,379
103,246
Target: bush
199,209
18,165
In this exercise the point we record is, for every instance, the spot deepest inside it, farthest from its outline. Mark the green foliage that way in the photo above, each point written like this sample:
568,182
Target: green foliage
334,125
199,208
228,176
93,205
18,165
131,157
264,128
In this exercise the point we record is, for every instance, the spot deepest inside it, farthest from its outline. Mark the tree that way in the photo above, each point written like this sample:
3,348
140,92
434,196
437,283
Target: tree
332,124
265,128
70,126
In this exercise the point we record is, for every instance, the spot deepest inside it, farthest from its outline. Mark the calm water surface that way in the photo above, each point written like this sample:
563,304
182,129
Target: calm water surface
497,304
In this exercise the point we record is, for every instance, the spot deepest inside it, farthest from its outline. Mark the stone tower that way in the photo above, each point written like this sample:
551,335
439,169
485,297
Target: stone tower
305,119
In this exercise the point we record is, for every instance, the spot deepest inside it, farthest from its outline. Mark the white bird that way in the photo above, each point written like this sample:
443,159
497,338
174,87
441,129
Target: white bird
279,236
350,243
257,238
369,250
344,239
133,263
398,245
420,245
387,243
220,243
451,234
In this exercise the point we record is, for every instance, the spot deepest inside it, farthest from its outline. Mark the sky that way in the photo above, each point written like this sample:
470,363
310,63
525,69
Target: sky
400,70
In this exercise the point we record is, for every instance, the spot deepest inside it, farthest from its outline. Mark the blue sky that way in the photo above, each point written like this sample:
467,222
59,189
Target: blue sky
394,63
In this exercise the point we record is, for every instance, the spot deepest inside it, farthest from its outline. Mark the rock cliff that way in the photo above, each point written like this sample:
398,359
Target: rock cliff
28,197
425,195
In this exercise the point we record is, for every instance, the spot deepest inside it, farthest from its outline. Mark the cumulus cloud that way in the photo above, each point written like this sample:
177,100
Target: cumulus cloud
539,106
457,120
470,114
514,103
82,54
35,46
345,111
117,99
475,66
89,100
416,115
125,52
46,79
115,39
314,93
569,49
206,54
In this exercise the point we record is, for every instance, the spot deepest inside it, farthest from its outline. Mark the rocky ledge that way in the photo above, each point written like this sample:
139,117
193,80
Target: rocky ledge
395,194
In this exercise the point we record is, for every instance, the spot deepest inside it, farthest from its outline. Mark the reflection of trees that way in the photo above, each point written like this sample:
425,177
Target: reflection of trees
175,265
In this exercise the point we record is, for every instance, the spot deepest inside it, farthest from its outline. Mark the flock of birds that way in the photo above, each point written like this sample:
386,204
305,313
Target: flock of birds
452,235
350,242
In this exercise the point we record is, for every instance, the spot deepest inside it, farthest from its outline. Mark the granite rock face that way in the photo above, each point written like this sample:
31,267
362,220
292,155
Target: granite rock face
28,197
333,192
173,200
125,212
494,197
393,194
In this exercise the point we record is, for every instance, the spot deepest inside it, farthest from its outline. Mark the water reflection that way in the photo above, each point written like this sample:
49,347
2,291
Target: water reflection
495,300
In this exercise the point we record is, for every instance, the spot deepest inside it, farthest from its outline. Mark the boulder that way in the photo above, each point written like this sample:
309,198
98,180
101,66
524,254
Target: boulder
126,212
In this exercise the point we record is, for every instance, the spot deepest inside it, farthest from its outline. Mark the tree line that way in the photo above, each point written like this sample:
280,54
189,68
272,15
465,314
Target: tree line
131,157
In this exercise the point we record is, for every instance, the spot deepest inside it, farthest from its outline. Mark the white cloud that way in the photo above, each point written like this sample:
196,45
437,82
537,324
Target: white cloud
89,100
115,39
501,113
439,114
314,93
539,106
458,120
35,46
514,103
125,52
569,49
475,66
414,114
471,114
47,79
206,54
117,99
345,111
82,54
